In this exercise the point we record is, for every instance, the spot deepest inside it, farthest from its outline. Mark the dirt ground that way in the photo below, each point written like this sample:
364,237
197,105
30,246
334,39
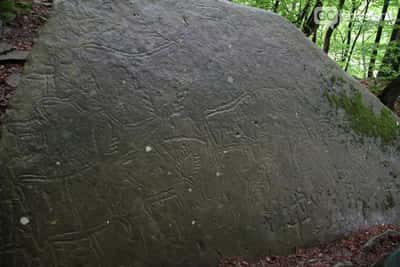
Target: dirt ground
20,34
349,249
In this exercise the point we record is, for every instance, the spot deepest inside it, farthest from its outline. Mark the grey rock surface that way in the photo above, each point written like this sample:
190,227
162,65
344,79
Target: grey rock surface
376,240
13,79
344,264
5,47
14,56
380,262
173,132
392,260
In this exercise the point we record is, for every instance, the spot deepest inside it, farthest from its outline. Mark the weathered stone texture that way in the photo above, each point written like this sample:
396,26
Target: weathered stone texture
170,132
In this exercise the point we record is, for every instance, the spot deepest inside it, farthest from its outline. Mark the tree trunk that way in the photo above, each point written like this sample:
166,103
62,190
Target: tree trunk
354,8
374,53
276,6
335,23
390,94
303,13
310,26
391,60
350,54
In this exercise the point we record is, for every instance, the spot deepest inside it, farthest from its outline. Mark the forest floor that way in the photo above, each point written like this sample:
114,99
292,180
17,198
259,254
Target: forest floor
352,249
20,36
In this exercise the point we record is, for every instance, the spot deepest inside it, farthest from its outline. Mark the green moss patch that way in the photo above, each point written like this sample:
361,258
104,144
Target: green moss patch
9,9
363,119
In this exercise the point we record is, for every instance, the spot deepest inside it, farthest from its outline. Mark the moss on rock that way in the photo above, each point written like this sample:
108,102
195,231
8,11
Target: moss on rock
363,119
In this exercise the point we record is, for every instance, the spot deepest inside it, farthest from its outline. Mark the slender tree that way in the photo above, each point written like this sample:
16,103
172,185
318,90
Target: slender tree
378,37
391,59
303,13
310,27
276,6
360,30
335,23
354,7
354,41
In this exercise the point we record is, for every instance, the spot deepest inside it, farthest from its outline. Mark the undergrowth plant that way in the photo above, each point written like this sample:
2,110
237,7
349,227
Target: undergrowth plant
9,9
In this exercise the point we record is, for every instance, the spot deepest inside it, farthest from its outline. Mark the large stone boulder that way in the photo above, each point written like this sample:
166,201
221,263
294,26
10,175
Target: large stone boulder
173,132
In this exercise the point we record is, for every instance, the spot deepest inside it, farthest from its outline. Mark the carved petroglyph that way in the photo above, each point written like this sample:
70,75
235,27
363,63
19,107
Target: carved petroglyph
171,128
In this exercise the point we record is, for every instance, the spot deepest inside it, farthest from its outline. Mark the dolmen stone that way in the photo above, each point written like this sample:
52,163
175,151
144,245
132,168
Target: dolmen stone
176,132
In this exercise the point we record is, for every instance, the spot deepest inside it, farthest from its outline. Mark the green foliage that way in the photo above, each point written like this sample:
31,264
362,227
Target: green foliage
363,120
9,9
375,89
352,42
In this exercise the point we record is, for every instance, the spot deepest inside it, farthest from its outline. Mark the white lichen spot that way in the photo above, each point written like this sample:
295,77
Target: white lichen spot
190,190
148,149
230,46
193,222
58,163
218,174
230,79
397,123
123,82
170,225
24,220
225,152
